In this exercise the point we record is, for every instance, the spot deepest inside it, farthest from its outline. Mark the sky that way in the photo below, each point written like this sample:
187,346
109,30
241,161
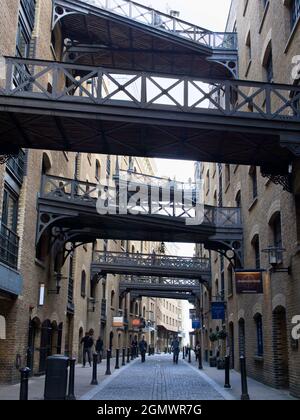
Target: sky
201,13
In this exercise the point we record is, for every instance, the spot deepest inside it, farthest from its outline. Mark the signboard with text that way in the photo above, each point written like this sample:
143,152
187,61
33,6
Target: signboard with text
218,310
249,282
118,321
196,324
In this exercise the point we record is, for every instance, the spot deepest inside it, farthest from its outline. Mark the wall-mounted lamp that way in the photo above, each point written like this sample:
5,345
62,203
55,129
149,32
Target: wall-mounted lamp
275,258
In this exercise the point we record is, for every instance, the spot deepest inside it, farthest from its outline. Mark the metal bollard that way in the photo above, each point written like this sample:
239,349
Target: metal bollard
227,372
117,359
71,393
132,353
190,360
183,352
245,395
108,357
200,359
24,383
95,361
123,357
128,355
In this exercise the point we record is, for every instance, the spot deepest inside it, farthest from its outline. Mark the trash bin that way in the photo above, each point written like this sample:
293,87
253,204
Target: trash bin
56,378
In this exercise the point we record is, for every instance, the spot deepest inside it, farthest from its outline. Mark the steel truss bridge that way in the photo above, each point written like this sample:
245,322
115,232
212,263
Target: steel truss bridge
186,289
125,34
67,209
152,265
109,111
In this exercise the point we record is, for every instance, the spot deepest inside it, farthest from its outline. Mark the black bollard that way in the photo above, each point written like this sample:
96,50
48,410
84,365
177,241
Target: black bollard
183,352
200,358
245,395
123,357
24,383
128,355
227,372
95,361
71,393
108,356
117,359
132,353
190,359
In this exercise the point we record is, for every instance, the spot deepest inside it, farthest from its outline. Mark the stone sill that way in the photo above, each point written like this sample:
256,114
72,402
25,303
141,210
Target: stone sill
40,263
252,205
291,37
248,67
259,359
264,17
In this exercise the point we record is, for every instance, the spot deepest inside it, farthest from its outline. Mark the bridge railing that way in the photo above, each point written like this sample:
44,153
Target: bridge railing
69,191
55,81
151,260
159,281
171,24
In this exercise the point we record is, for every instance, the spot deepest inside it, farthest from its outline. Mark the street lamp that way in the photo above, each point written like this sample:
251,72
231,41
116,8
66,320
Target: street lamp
275,258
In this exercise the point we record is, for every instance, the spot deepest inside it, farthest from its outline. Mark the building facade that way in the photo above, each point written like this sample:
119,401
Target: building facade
259,326
48,302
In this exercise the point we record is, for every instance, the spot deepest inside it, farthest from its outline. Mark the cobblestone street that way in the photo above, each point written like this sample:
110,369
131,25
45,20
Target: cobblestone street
158,379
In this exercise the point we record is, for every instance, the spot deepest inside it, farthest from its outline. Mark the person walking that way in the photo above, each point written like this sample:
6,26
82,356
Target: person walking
99,349
143,349
175,349
88,343
134,347
197,349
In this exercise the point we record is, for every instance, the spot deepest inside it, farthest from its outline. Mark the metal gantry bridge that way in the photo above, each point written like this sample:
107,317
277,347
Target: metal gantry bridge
125,34
67,209
101,110
156,265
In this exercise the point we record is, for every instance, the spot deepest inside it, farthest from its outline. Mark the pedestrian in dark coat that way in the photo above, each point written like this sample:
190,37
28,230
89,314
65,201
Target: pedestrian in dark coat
143,349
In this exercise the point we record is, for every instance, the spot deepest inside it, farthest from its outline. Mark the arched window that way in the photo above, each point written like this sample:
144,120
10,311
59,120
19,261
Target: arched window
144,312
256,249
98,170
259,335
112,298
83,284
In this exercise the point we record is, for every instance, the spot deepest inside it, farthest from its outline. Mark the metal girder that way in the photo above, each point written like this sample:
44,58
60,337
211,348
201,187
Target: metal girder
166,295
154,22
138,283
151,265
68,209
206,120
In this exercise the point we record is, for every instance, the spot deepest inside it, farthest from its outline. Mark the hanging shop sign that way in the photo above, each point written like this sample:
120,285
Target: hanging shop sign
118,321
196,324
136,323
249,282
218,310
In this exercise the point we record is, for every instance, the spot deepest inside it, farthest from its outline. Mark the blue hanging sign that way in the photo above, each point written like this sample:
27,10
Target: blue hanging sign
218,310
196,324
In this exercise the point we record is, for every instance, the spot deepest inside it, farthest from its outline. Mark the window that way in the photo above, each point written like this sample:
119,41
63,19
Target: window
112,298
277,235
253,176
207,182
108,166
227,174
295,12
255,245
259,335
248,47
83,284
10,210
238,199
97,170
269,67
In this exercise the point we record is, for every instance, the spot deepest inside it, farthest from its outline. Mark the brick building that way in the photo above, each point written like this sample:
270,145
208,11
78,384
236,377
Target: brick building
46,306
259,325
